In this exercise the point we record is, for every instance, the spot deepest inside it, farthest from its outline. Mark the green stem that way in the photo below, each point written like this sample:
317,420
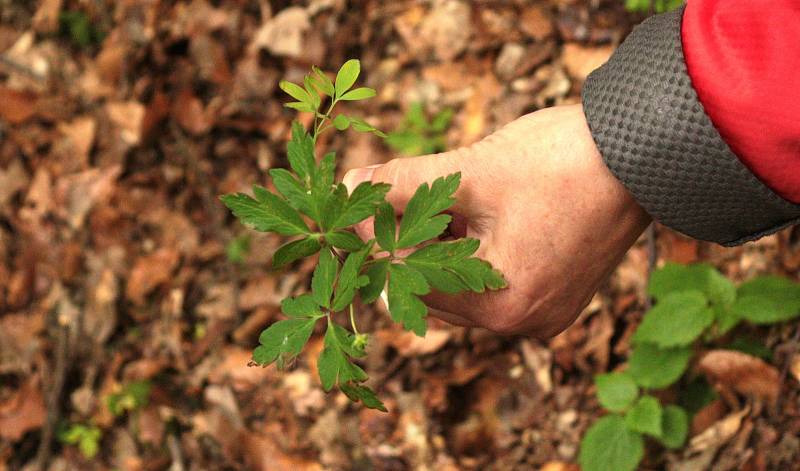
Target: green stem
318,125
353,320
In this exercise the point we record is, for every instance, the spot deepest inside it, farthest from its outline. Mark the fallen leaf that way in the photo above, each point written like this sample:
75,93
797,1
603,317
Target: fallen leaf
149,272
19,341
719,433
581,60
540,360
79,136
741,372
45,20
23,411
188,111
536,23
559,466
409,344
77,194
446,29
128,116
12,179
18,105
794,366
282,34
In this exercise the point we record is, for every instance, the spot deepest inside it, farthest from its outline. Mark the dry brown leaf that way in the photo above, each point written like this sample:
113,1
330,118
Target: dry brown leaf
540,361
794,366
12,179
149,272
409,344
446,29
559,466
128,116
536,23
45,20
23,411
219,302
77,194
79,135
741,372
282,34
17,105
188,111
581,60
262,454
719,433
19,341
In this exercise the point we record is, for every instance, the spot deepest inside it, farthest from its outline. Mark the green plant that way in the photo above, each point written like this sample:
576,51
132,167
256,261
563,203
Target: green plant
87,437
417,135
131,397
405,262
238,248
77,26
695,304
657,6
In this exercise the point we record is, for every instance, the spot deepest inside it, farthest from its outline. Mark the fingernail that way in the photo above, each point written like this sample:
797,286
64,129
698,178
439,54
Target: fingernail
358,175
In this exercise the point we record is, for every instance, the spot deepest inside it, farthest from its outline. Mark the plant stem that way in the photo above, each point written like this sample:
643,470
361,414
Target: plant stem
318,125
353,320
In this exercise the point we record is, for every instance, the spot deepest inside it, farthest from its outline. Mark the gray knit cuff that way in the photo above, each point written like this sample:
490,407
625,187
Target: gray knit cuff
656,138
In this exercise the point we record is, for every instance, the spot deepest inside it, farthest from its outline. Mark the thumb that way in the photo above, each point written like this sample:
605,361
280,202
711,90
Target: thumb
407,174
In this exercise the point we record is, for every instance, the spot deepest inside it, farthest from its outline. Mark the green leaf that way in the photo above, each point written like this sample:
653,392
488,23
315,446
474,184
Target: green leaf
347,76
267,212
361,93
296,91
312,92
322,81
421,219
678,319
377,281
323,278
448,267
767,300
331,205
656,368
300,106
616,391
292,189
405,287
283,340
300,153
295,250
334,365
362,126
362,203
349,278
610,445
341,122
675,424
385,227
645,416
303,306
702,277
357,392
344,240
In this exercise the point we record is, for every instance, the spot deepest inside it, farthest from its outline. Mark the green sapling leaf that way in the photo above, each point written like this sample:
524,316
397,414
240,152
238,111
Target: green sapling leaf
295,250
616,391
678,319
645,416
297,92
350,279
610,444
448,267
347,76
266,212
358,392
376,274
341,122
361,93
405,286
656,368
675,425
767,300
385,227
344,240
324,277
283,340
421,219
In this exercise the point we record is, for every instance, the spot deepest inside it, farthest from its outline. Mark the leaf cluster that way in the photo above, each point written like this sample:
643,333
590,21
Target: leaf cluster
405,260
418,135
86,437
693,303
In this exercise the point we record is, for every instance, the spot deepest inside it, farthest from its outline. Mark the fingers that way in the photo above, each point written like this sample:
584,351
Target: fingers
407,174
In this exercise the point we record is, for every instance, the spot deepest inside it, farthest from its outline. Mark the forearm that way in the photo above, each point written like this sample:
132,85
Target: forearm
656,136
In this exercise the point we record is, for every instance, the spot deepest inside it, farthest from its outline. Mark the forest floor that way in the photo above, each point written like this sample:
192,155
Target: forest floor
130,300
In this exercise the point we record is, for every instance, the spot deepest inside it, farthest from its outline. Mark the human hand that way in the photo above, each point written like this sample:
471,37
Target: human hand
549,215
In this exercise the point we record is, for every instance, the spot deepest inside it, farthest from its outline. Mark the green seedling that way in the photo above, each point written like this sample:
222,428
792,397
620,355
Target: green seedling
404,261
657,6
86,437
694,304
132,397
417,135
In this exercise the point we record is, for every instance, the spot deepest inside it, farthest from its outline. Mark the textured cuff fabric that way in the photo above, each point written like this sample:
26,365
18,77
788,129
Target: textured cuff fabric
655,136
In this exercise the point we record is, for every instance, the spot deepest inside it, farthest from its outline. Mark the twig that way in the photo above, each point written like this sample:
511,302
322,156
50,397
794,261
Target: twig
652,259
795,342
175,453
54,399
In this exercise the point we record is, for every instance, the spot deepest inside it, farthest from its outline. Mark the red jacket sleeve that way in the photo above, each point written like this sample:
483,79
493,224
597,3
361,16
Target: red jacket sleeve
743,57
